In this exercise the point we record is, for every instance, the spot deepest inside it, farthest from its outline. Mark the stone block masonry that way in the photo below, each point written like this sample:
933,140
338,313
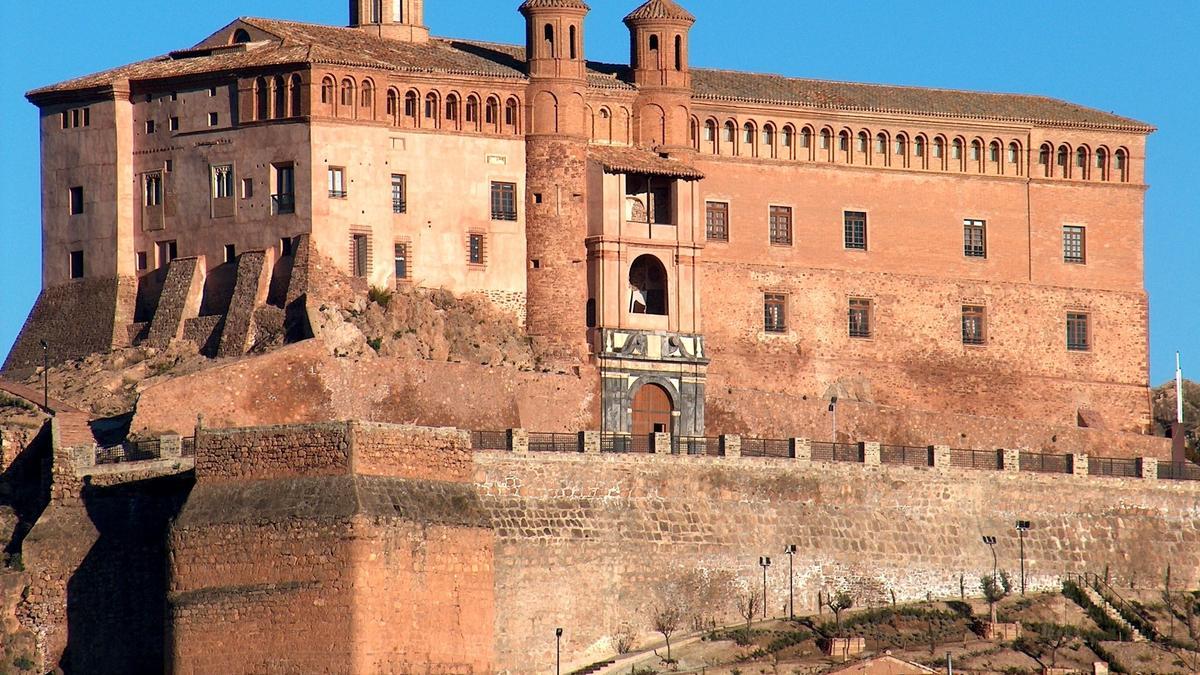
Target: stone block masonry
87,316
249,292
179,300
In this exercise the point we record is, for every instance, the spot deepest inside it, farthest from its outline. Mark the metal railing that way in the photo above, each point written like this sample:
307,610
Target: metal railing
553,442
337,194
847,452
129,451
696,445
1041,462
1115,467
399,206
905,455
766,447
489,440
1178,471
187,447
281,204
976,459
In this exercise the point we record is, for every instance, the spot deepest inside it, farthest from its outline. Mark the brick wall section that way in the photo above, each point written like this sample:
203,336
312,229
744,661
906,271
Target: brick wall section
264,453
411,452
179,300
77,319
625,524
249,292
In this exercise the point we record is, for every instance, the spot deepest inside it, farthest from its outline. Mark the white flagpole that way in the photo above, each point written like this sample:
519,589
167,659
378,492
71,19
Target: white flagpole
1178,390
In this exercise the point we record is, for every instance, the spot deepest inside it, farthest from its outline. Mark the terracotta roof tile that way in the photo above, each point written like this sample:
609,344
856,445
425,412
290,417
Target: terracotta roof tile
553,4
724,85
620,159
660,9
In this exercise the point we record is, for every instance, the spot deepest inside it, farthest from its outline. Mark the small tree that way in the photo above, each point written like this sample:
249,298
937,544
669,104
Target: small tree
1053,637
666,618
837,604
747,603
995,589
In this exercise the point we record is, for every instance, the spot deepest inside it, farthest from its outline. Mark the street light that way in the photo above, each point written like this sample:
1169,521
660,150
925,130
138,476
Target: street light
764,562
790,550
45,375
1022,527
991,542
833,410
557,651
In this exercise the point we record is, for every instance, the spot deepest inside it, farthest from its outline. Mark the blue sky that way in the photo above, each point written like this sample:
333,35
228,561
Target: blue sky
1136,59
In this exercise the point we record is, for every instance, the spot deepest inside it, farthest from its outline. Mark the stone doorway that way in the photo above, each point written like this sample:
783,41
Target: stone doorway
652,411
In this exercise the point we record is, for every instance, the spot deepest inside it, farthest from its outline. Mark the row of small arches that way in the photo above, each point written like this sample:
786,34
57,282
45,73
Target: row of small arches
428,110
278,97
863,147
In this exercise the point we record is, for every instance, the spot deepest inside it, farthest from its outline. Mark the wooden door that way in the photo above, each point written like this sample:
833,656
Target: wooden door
651,414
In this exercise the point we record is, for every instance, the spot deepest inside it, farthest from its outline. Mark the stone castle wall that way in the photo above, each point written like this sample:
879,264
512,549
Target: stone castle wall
78,318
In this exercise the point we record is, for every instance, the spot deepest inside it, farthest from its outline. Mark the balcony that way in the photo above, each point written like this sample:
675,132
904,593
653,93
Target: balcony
281,204
337,194
399,206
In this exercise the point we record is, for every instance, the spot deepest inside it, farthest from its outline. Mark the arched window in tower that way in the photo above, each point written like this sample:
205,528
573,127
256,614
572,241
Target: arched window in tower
730,134
452,108
1121,165
881,148
902,150
694,133
1064,169
431,109
1102,163
281,96
548,40
994,157
348,93
768,139
956,153
511,116
574,49
1081,163
368,94
410,108
393,103
654,62
939,148
327,91
976,151
296,88
491,114
787,140
748,134
827,144
240,36
678,52
262,99
710,135
863,144
919,147
1044,159
806,139
647,286
472,111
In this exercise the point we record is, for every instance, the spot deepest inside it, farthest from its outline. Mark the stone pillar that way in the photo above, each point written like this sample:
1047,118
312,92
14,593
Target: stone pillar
870,453
662,444
941,456
518,441
1079,464
1149,467
170,447
731,445
802,450
84,456
1012,459
589,442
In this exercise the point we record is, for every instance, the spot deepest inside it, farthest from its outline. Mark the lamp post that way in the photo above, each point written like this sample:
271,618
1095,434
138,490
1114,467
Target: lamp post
991,543
790,550
764,562
833,412
45,375
557,651
1022,527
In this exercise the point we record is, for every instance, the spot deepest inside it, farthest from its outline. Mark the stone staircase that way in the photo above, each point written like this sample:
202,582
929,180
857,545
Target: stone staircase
1113,613
594,668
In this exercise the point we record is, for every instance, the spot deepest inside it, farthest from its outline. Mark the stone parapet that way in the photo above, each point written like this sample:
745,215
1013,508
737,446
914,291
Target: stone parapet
1149,468
661,444
1079,464
1011,459
589,442
870,453
941,456
731,445
801,449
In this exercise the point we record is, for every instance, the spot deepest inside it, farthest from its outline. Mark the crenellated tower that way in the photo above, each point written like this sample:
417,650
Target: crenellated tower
556,180
395,19
658,38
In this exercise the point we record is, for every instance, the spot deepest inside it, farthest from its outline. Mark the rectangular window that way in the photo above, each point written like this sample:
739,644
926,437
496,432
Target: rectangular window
401,254
475,249
230,253
283,197
781,225
75,200
975,238
76,264
247,188
1079,337
337,182
212,91
399,193
222,182
1074,244
504,201
860,318
774,313
974,325
856,230
152,193
716,221
150,127
213,119
167,251
173,124
286,248
358,255
141,262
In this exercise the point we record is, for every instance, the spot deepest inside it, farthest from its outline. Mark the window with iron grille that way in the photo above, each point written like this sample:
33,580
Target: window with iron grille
860,318
856,230
975,238
1079,338
399,193
974,325
359,252
781,225
475,249
1074,244
504,201
401,253
716,221
774,312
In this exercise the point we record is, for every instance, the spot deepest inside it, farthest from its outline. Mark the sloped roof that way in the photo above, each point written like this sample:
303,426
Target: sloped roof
619,159
660,9
306,43
553,4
